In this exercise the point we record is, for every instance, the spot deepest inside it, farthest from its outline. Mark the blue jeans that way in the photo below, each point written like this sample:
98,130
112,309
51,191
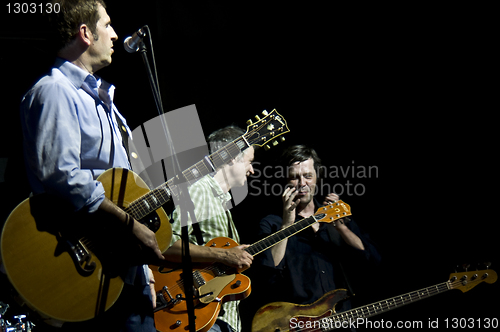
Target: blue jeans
133,312
221,326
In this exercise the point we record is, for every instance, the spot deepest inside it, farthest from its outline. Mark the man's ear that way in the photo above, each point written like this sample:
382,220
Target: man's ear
85,35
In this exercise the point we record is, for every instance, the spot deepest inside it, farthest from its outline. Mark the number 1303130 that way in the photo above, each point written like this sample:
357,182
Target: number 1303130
463,323
33,8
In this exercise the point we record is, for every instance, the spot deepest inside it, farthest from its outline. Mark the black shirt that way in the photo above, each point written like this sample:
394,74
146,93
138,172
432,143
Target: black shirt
314,262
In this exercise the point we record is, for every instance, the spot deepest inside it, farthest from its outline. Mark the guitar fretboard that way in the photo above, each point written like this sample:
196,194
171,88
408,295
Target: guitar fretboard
279,236
156,198
385,305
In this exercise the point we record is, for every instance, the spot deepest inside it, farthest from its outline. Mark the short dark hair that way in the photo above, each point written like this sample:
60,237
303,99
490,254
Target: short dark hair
221,137
301,153
66,22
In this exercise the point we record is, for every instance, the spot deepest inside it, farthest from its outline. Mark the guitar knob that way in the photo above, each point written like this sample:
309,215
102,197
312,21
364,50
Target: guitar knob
249,122
282,138
275,143
267,147
257,118
264,112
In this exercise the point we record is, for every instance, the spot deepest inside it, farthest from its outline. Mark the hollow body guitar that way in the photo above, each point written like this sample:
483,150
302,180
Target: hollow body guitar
215,283
61,275
321,315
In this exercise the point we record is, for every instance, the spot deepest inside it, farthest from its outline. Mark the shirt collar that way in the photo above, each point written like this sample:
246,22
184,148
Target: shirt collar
76,75
98,88
217,190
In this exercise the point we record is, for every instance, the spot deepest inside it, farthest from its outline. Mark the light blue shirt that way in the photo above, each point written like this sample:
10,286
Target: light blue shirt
71,135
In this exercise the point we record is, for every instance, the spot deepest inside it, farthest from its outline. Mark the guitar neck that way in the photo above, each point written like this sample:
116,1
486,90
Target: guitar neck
161,195
327,213
279,236
386,305
272,126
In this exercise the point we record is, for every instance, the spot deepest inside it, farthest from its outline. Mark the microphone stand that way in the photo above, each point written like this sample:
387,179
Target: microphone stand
186,205
154,87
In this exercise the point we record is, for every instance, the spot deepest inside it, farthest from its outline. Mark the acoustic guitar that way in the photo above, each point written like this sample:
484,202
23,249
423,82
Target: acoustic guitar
321,316
216,283
61,274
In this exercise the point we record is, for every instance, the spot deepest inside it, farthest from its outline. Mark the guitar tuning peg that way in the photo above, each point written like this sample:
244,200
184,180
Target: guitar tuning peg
465,267
267,147
249,122
487,265
257,118
265,113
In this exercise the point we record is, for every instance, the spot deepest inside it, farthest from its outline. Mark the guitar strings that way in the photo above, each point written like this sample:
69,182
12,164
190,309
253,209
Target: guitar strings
260,245
180,283
372,310
139,212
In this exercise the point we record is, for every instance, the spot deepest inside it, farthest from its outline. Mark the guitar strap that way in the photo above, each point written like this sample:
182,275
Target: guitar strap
229,226
199,237
124,133
197,233
197,230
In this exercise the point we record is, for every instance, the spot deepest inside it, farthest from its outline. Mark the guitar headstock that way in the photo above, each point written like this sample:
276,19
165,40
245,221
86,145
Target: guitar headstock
465,281
267,129
332,212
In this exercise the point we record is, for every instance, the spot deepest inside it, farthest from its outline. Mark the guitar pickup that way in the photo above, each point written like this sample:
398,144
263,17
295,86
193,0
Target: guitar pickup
198,279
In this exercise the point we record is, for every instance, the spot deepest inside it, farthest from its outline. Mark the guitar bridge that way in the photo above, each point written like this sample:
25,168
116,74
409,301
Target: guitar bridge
79,254
165,299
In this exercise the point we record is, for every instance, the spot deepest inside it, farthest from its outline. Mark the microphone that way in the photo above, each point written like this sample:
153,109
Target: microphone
131,44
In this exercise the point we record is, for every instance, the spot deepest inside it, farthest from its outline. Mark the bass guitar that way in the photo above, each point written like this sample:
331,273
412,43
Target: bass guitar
321,315
216,283
72,277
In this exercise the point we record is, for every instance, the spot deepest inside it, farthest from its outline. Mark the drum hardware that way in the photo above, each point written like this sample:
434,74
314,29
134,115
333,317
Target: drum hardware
18,326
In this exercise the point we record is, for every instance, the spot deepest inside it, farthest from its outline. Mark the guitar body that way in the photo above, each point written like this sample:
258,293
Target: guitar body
56,281
46,277
277,316
222,287
122,187
282,316
57,271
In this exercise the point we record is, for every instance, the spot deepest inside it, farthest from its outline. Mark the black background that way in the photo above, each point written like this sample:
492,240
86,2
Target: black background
404,88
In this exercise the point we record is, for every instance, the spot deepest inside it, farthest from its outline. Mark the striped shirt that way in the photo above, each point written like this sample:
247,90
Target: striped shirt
214,221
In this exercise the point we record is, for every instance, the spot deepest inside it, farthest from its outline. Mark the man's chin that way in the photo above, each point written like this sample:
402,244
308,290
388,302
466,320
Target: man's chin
306,199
